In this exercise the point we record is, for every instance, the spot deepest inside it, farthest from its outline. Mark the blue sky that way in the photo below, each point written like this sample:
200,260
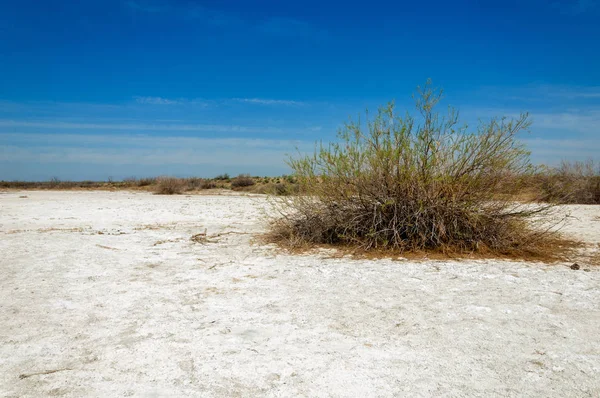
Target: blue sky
92,89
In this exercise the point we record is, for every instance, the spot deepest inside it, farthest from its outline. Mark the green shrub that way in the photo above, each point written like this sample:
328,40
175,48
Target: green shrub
413,183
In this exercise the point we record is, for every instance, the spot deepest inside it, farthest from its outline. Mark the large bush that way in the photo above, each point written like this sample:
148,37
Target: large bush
414,182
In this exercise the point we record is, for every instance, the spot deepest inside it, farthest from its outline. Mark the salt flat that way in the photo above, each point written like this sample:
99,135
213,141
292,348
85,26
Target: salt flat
104,294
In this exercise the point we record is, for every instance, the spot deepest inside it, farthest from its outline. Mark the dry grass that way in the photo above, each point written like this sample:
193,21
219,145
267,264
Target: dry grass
592,256
571,183
242,181
276,188
169,186
554,249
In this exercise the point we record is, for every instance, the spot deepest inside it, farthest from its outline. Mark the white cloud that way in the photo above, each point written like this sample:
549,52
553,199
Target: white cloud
139,140
581,121
141,127
552,151
146,150
156,101
262,101
184,101
565,92
538,93
586,121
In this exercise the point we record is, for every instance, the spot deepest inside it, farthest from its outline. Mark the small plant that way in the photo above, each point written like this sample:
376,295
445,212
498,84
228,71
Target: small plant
144,182
410,183
222,177
284,189
54,182
208,184
169,185
242,180
193,183
130,181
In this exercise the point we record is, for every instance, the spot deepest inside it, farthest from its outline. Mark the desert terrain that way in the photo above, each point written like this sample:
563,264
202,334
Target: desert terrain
106,294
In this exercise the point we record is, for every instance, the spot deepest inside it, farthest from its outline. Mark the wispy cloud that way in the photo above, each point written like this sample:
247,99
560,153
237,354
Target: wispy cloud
543,93
244,154
140,140
156,101
583,122
207,128
586,121
552,151
263,101
185,101
567,92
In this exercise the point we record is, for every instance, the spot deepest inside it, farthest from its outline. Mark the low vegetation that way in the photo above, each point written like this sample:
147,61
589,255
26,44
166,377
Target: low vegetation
412,183
570,183
242,181
170,185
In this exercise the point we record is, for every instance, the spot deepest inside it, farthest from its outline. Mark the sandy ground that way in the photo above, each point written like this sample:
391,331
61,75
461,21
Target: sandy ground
104,294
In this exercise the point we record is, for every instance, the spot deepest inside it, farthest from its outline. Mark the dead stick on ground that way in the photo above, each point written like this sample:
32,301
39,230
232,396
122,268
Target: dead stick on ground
47,372
232,232
107,247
